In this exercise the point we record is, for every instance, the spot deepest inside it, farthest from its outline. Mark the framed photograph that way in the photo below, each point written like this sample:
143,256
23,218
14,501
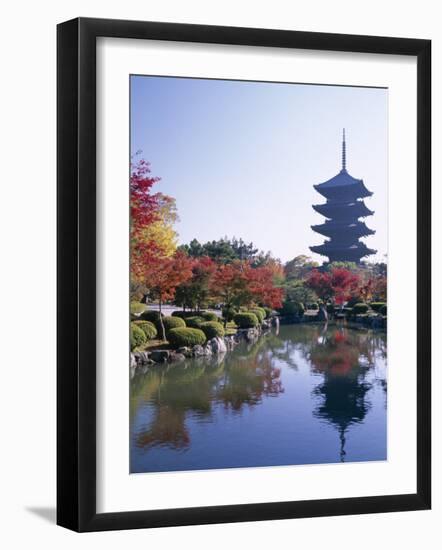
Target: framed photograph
243,274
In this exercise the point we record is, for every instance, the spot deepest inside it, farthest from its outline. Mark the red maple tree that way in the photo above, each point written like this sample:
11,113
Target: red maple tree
335,286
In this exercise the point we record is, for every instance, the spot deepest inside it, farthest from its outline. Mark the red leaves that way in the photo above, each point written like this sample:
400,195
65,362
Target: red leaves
241,284
337,285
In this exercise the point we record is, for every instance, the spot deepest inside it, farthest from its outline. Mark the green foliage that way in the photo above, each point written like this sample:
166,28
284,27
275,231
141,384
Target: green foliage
313,306
290,308
246,320
148,328
376,306
194,322
229,313
351,266
360,308
170,323
212,329
383,310
268,311
137,336
150,315
185,336
226,251
259,312
299,268
137,307
208,315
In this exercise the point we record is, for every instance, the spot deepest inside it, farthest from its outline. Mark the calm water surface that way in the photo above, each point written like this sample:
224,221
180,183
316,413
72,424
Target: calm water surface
307,395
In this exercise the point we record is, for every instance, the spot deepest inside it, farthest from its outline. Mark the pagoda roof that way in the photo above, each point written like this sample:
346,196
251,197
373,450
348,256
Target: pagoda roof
332,227
354,209
356,250
343,184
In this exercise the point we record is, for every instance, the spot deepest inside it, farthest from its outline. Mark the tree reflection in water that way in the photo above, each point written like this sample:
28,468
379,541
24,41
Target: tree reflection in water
238,379
334,368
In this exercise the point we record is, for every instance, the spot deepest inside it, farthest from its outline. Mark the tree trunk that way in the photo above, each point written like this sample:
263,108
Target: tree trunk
163,332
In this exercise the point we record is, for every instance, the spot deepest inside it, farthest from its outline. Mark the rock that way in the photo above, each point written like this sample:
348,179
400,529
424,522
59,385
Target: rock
197,351
133,361
160,355
248,334
207,349
183,349
322,315
217,345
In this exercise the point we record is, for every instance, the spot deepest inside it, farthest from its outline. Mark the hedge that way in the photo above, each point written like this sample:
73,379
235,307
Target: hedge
148,328
137,336
246,320
212,329
376,306
360,308
188,337
150,315
194,322
259,312
208,315
137,307
170,323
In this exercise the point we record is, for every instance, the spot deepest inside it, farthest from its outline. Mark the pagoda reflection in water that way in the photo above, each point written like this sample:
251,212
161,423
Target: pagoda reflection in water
343,210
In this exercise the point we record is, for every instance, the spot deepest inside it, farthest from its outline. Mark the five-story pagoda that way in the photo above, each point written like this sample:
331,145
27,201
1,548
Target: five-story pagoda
343,209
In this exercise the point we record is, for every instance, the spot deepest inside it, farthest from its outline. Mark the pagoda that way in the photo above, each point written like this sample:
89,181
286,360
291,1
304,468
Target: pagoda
343,210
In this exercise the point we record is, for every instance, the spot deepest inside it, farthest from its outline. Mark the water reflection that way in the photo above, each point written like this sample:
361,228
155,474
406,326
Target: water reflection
330,372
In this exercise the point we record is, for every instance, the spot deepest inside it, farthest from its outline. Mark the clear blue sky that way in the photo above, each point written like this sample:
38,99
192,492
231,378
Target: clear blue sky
241,158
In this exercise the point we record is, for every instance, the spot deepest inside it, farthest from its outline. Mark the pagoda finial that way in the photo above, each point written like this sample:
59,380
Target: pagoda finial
344,160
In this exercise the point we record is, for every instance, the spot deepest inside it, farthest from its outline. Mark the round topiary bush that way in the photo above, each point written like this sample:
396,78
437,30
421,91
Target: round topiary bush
229,313
148,328
377,306
194,322
246,320
260,313
212,329
185,336
360,308
170,323
136,308
208,315
150,315
137,336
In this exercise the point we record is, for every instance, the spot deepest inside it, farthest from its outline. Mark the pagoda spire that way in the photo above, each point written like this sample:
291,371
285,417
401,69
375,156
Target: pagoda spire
344,158
343,210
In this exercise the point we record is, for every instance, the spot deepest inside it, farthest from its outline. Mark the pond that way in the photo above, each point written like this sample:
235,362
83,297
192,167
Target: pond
306,394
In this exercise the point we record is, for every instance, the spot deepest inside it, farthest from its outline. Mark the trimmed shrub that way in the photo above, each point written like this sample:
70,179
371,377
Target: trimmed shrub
383,310
208,315
151,315
137,336
170,323
212,329
136,308
185,336
360,308
268,311
290,308
377,306
246,320
259,312
183,314
194,322
148,328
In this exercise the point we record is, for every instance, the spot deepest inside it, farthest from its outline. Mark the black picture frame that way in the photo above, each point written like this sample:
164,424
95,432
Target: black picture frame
76,272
